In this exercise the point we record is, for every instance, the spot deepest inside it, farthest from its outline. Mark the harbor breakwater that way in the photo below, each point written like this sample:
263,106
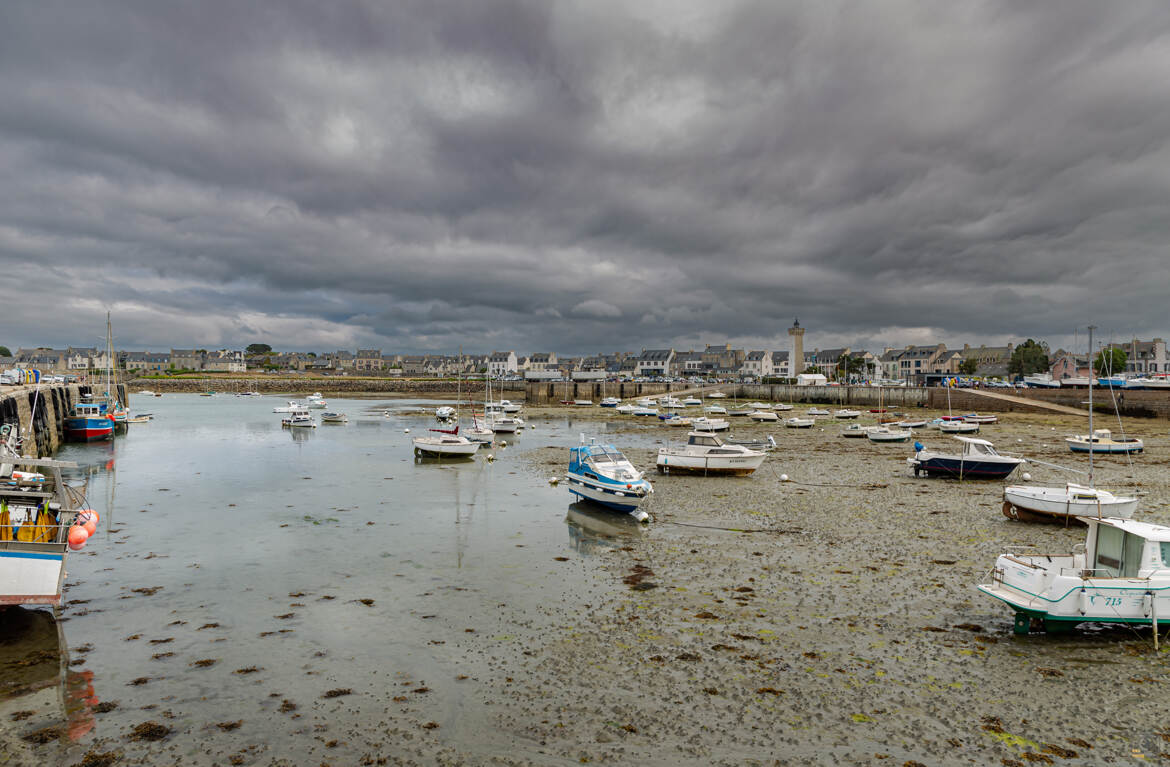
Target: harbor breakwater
542,393
39,412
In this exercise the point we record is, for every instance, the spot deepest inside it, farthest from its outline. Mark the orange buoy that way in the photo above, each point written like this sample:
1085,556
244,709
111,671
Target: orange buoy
77,537
90,526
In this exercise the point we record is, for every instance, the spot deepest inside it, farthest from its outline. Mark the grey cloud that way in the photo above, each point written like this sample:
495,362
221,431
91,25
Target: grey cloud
586,176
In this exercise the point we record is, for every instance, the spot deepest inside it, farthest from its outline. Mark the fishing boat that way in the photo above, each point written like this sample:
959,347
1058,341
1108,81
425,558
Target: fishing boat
445,413
958,427
1120,574
855,431
796,422
299,419
978,459
37,522
715,410
886,434
761,416
88,423
1102,441
846,413
703,423
601,474
448,444
331,417
1064,504
705,454
610,402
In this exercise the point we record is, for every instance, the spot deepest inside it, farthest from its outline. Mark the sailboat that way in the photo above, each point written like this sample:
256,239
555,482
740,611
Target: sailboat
448,444
1067,504
953,425
117,412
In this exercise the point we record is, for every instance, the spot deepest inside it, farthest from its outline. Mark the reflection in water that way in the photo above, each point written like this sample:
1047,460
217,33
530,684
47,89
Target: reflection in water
591,528
301,434
37,687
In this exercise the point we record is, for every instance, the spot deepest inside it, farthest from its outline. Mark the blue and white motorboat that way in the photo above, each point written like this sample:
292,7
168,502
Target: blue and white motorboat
610,402
600,473
978,460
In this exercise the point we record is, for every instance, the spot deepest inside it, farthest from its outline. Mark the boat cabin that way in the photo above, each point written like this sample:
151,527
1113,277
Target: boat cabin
1123,548
90,411
977,448
703,439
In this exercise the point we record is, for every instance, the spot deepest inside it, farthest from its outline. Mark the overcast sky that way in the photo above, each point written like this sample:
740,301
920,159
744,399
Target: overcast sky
582,176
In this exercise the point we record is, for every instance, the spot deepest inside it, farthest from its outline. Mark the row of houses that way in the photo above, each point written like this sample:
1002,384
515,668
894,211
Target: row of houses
914,363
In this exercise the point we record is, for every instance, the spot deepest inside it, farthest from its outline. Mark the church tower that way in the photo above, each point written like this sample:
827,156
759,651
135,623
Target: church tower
796,354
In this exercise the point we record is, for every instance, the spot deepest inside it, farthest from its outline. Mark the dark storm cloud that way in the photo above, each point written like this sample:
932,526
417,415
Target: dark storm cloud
588,176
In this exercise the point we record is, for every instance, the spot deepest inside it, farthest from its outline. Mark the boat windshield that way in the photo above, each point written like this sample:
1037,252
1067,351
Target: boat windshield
980,449
704,440
1119,554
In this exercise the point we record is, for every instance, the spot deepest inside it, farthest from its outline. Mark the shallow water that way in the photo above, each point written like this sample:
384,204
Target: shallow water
227,539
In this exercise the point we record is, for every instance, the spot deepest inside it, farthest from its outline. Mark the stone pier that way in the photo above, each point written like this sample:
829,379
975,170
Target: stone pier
39,413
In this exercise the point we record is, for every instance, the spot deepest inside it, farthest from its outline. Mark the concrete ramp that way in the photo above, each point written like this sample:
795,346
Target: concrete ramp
1038,403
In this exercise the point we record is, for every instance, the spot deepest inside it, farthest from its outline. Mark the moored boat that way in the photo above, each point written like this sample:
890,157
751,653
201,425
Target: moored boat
705,453
447,444
330,417
299,418
855,431
1102,441
817,411
1064,504
761,416
87,423
703,423
846,413
796,422
610,402
603,475
886,434
1121,574
958,427
978,459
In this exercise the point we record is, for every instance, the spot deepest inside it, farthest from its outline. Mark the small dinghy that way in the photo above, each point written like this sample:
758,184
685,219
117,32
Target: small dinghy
328,417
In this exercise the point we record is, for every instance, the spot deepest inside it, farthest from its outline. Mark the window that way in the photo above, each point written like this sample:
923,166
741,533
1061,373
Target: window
1119,554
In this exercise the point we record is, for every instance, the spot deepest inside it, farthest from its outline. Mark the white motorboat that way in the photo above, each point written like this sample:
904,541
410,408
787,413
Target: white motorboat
978,460
600,473
692,402
715,410
705,453
763,415
669,403
980,418
740,411
445,413
146,393
1041,381
759,406
645,411
646,402
329,417
846,413
703,423
503,424
780,406
1102,441
579,403
676,420
315,401
610,402
958,427
796,422
299,418
912,423
291,406
717,395
1150,382
1064,504
855,431
817,411
510,407
446,444
1120,574
626,409
886,434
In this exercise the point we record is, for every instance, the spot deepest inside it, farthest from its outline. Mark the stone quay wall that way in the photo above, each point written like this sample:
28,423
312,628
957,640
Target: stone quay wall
545,393
43,407
296,386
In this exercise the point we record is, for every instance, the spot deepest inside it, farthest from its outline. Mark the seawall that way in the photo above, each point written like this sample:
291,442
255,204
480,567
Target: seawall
43,408
299,387
538,393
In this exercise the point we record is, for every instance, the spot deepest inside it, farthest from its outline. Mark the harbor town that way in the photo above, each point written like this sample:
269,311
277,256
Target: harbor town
678,565
535,384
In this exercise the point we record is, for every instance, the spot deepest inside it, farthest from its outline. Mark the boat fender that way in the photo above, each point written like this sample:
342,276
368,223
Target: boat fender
1084,600
77,537
919,447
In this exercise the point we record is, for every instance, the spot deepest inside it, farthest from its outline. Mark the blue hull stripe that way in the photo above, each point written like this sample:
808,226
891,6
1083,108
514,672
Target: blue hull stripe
30,555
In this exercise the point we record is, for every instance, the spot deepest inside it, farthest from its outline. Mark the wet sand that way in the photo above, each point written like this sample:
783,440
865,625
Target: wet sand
829,619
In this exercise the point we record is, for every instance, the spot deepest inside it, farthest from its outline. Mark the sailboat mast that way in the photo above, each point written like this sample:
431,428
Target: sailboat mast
1091,329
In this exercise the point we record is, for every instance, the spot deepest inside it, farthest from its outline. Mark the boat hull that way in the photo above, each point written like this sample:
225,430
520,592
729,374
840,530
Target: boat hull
728,465
88,429
31,576
1079,446
616,498
966,469
1030,504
